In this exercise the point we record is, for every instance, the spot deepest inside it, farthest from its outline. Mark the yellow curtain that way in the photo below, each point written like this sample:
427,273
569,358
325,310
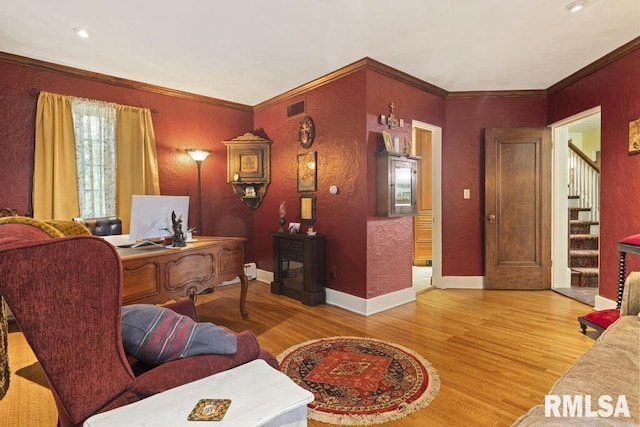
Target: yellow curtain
137,159
55,190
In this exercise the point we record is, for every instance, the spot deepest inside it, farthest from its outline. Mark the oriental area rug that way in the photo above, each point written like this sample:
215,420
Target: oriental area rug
360,381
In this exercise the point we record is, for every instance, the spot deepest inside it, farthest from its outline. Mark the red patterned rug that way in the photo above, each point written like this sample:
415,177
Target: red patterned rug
360,381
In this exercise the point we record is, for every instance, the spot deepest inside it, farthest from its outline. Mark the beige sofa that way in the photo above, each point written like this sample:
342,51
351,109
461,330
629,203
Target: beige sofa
610,368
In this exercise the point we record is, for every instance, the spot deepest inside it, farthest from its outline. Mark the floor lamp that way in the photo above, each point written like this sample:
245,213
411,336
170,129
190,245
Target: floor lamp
199,156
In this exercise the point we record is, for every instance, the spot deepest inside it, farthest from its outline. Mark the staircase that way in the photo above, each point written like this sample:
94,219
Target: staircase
584,217
583,248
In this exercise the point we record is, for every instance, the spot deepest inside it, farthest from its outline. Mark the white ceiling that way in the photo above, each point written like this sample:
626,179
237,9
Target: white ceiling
248,51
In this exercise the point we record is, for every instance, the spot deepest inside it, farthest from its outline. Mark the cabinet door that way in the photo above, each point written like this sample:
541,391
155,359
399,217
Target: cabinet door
402,187
397,181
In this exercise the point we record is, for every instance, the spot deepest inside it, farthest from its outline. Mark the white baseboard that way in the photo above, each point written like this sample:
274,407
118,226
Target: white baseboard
463,282
355,304
369,306
264,276
604,303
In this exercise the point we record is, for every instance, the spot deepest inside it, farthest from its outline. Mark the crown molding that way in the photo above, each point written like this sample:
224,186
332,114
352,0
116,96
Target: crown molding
403,77
328,78
595,66
130,84
498,94
364,63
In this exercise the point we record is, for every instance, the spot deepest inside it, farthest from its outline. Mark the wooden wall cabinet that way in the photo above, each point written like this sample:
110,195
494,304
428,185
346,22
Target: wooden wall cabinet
249,167
299,267
397,183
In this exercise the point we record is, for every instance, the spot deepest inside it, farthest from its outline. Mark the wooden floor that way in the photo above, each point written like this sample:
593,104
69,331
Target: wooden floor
497,352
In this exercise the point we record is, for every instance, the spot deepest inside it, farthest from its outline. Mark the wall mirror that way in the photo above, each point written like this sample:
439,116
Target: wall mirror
307,208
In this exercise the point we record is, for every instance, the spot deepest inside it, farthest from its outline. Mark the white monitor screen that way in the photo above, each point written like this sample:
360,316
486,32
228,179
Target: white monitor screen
151,215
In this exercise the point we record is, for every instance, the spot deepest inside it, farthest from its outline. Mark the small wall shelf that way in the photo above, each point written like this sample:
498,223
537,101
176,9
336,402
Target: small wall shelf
249,167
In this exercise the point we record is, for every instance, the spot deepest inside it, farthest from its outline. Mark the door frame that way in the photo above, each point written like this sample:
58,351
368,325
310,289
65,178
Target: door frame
436,183
560,272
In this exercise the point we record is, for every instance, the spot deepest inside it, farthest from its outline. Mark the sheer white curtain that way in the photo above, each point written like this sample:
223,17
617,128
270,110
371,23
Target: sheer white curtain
95,141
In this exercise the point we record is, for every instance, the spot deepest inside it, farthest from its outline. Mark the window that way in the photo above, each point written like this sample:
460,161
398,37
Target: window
95,143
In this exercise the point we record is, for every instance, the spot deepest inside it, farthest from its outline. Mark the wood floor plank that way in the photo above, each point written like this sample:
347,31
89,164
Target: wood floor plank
497,352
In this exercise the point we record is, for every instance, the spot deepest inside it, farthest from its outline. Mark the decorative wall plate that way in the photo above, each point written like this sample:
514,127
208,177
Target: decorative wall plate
306,132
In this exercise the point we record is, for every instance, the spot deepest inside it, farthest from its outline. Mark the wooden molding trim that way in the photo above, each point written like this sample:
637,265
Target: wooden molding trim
595,66
403,77
498,94
364,63
328,78
131,84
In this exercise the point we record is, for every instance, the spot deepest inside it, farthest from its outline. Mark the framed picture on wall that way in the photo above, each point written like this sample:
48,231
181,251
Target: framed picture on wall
307,172
634,136
307,208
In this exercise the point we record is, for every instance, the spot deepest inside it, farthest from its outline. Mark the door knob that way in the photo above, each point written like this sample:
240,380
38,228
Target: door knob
491,218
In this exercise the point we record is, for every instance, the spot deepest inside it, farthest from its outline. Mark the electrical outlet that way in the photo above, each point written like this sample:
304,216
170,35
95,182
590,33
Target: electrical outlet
333,272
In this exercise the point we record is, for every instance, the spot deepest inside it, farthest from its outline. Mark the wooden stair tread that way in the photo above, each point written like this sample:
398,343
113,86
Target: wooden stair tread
583,222
587,271
583,236
584,252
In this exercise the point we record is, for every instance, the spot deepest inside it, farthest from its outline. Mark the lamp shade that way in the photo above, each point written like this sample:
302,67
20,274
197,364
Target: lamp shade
198,155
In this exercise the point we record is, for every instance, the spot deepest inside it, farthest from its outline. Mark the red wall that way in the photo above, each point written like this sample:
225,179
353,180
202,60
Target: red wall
178,124
337,110
371,255
463,167
390,240
616,89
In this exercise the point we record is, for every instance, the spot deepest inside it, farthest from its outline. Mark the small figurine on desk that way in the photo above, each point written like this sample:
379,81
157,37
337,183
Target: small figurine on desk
178,235
282,211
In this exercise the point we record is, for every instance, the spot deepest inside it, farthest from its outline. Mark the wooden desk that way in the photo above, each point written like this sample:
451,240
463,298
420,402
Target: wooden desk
154,275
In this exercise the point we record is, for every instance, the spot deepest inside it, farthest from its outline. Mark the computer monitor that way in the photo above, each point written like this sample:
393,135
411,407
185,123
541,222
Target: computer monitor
151,216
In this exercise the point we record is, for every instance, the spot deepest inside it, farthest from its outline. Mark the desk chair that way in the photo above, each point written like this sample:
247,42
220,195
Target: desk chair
103,226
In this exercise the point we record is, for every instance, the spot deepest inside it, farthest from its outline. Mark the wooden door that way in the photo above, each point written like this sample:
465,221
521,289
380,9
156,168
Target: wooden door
517,213
423,221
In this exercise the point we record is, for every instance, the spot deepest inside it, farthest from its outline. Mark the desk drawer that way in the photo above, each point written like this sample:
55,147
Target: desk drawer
141,279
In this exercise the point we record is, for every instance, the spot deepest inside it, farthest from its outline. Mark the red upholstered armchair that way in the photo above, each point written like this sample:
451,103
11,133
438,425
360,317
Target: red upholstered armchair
66,295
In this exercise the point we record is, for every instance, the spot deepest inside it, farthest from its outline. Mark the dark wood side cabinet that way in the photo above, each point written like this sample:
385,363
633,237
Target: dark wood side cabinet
299,267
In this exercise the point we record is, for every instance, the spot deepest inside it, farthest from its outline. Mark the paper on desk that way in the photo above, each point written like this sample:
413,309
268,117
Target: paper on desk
119,240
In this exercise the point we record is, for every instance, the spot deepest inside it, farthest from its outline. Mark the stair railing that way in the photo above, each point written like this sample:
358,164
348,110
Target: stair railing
584,181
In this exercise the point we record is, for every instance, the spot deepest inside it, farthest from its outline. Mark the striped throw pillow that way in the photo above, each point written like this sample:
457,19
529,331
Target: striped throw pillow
157,335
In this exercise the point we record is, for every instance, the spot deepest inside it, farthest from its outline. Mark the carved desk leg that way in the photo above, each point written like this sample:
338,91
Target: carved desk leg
244,287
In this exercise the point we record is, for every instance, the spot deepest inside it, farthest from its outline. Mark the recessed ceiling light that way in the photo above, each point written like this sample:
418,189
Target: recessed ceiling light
574,6
82,32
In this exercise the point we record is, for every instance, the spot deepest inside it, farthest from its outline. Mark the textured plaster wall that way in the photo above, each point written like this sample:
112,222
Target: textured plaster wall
372,255
390,240
178,124
338,112
463,167
616,89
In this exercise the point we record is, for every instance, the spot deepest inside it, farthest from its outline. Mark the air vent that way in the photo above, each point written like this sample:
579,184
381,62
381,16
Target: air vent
295,109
